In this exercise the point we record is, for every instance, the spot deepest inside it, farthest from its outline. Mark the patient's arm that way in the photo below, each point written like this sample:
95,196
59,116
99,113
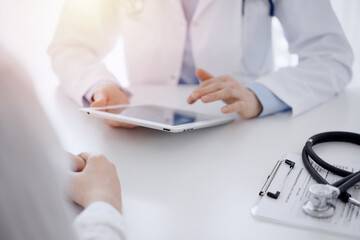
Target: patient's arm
95,186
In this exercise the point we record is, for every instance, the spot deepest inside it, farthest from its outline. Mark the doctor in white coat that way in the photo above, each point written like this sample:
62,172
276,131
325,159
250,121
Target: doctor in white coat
223,45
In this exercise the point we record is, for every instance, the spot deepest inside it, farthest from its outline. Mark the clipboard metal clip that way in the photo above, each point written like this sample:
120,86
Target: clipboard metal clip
271,177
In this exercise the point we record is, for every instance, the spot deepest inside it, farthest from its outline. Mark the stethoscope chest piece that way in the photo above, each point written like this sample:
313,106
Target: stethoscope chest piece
322,201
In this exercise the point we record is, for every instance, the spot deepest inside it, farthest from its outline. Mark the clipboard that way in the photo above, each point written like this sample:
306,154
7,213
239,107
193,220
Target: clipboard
287,207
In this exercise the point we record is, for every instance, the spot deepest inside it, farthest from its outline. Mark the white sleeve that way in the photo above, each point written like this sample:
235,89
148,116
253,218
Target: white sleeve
32,172
325,56
32,165
100,220
86,32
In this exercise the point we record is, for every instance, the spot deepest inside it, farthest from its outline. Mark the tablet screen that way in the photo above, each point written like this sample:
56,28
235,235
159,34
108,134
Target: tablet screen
158,114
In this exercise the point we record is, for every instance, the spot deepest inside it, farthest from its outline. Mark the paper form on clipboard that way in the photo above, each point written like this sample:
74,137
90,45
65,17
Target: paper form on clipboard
287,209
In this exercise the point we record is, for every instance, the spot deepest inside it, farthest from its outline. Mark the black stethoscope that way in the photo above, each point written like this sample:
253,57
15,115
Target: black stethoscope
271,8
136,6
324,194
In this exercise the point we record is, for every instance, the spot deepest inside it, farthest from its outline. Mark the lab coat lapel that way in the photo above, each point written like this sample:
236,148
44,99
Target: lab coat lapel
178,9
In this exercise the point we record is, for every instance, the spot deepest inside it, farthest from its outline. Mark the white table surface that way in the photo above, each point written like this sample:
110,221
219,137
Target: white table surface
201,184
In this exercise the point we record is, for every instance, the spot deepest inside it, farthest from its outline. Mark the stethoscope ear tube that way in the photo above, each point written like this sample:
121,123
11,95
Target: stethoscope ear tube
311,170
349,179
330,137
271,8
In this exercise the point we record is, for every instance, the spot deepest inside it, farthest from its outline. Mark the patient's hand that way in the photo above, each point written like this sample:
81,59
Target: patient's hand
95,179
107,95
77,163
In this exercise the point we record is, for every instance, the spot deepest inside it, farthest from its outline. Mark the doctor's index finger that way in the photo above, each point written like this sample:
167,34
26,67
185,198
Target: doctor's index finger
203,75
210,88
214,80
196,94
222,94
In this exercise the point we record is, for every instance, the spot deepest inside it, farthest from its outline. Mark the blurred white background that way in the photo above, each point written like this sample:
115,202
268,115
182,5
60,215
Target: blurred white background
27,26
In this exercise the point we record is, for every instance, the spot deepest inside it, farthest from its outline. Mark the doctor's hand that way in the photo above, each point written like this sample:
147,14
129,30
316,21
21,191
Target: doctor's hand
238,98
107,95
94,179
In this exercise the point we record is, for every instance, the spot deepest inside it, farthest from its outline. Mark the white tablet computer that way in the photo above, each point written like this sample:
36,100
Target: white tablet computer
158,117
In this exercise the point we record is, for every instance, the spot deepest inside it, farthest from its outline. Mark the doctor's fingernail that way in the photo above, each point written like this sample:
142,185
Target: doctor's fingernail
225,109
195,95
205,98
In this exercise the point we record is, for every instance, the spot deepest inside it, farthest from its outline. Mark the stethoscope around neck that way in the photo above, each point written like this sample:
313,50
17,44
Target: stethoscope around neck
271,8
135,6
324,195
258,72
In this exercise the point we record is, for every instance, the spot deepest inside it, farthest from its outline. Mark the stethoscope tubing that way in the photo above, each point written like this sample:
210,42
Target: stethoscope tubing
271,8
349,179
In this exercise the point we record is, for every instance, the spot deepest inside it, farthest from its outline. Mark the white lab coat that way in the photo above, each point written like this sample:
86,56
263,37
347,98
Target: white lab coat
223,41
33,170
